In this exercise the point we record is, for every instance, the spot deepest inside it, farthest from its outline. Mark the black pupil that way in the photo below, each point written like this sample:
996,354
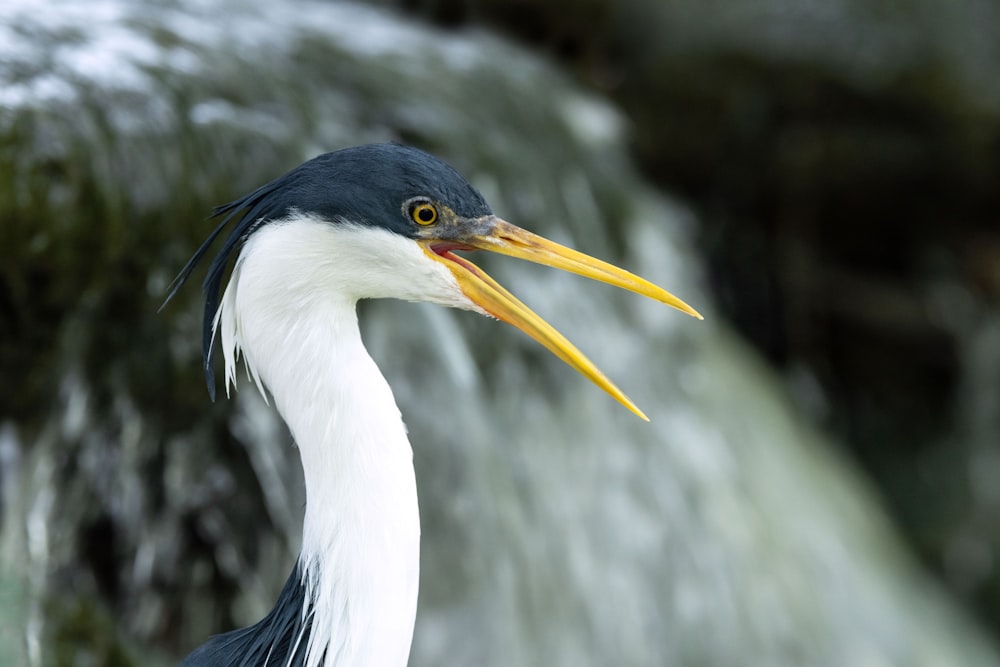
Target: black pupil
425,214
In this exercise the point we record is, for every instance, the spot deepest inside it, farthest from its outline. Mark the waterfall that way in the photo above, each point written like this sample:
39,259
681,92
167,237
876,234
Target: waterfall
559,529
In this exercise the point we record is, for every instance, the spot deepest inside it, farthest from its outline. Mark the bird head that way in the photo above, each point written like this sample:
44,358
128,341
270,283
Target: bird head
408,215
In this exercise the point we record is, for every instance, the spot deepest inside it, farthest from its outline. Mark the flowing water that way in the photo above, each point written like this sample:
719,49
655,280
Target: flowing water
559,529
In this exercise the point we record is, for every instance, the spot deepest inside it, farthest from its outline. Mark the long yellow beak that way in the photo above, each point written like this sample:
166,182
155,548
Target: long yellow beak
502,237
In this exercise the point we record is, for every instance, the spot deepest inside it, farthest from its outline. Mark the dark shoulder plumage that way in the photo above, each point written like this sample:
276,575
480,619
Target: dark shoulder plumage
364,185
279,639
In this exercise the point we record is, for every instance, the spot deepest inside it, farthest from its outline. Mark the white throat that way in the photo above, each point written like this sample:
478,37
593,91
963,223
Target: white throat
290,308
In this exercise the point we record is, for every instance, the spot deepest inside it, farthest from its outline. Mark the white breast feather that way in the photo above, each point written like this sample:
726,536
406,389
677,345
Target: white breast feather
289,309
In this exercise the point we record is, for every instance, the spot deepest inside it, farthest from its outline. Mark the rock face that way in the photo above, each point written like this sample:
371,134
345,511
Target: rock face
558,529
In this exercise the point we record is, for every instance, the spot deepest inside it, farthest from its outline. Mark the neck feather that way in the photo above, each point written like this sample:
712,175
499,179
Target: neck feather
360,547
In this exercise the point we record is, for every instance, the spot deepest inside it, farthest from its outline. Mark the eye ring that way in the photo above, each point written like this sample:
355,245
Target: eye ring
423,213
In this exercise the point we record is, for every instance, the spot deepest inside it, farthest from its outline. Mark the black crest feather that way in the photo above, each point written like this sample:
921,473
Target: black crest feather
364,185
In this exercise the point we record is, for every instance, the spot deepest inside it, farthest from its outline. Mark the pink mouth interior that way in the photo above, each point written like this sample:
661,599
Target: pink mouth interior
444,250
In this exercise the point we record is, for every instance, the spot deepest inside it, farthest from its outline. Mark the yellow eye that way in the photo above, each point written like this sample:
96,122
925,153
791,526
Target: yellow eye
423,213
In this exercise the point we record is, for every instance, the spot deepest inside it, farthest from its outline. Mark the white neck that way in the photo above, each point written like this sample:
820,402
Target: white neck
287,308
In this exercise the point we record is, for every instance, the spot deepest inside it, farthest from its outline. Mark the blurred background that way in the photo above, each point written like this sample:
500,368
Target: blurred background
819,483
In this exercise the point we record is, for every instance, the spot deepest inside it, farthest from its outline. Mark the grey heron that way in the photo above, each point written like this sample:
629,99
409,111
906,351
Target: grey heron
375,221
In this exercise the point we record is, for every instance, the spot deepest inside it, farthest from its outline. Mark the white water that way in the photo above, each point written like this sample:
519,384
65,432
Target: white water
558,529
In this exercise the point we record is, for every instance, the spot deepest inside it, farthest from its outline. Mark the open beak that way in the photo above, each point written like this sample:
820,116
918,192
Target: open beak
499,236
